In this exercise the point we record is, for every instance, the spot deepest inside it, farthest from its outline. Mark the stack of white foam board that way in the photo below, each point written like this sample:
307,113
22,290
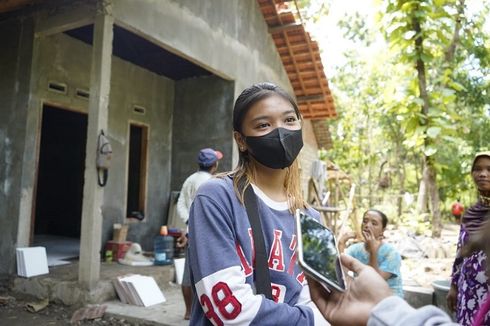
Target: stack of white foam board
138,290
32,261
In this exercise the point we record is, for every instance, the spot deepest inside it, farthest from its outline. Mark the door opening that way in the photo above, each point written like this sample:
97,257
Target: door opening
136,196
59,193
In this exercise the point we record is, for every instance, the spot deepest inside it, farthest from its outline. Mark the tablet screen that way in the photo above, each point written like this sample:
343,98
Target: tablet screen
320,250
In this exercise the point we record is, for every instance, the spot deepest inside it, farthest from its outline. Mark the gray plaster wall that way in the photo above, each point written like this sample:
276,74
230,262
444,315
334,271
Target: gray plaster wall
15,69
202,118
228,37
66,60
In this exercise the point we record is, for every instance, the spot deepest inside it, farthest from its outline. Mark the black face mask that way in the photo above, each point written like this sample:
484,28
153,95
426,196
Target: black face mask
277,149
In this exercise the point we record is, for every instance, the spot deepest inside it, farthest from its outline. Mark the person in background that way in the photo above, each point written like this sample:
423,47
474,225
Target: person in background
469,284
207,159
382,256
369,301
457,210
268,132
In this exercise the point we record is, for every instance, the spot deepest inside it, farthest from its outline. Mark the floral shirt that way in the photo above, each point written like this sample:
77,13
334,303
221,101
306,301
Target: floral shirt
471,281
389,260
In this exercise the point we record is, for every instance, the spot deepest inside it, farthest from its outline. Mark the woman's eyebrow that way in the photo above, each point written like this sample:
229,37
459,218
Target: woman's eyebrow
292,111
261,117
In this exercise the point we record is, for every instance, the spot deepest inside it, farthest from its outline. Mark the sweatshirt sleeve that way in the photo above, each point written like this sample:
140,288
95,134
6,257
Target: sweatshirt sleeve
220,283
394,311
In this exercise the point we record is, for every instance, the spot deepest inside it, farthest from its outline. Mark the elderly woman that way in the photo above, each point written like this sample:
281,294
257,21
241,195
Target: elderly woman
373,251
469,286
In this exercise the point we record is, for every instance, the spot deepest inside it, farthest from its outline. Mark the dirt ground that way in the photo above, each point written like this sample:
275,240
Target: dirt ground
436,264
13,312
420,271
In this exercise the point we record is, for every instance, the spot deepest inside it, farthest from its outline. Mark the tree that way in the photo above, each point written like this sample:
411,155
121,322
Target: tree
420,103
427,35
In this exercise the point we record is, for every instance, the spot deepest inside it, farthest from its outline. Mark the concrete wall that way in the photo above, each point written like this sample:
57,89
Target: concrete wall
67,60
202,118
15,67
228,37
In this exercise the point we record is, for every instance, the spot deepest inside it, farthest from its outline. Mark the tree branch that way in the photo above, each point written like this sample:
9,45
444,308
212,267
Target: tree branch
449,54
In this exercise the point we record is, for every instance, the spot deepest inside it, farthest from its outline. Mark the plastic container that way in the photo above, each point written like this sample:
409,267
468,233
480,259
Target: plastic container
441,288
179,264
163,246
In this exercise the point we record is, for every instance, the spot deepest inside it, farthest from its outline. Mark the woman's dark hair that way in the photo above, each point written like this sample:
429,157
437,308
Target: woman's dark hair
384,219
252,95
244,173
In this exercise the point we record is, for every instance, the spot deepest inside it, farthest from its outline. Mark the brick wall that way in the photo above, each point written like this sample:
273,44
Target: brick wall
308,154
322,133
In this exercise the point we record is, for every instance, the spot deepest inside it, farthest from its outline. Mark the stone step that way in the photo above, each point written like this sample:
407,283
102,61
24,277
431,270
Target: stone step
61,284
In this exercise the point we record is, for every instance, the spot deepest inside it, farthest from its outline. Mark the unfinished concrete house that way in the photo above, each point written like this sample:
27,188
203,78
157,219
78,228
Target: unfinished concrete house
159,78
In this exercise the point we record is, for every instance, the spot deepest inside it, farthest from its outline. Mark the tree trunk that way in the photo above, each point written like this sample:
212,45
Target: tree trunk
422,196
428,185
401,184
434,200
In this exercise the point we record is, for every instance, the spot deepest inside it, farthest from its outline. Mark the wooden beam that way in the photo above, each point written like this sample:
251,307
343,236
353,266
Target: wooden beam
286,27
308,98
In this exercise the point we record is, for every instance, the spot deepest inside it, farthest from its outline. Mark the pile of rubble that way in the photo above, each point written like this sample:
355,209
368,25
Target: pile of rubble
425,259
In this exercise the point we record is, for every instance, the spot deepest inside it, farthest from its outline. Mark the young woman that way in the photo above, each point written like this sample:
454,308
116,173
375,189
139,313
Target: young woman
373,251
469,286
267,129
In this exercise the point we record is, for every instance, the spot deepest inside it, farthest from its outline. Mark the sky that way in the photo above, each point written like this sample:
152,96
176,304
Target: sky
329,36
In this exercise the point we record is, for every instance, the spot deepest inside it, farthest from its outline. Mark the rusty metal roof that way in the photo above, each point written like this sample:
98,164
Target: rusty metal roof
300,56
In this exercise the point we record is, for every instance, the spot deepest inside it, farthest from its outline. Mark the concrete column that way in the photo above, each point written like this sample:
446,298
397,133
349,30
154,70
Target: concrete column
93,194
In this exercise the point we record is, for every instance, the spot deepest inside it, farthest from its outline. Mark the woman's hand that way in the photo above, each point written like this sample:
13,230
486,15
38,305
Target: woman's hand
372,243
346,237
182,240
343,240
451,298
353,306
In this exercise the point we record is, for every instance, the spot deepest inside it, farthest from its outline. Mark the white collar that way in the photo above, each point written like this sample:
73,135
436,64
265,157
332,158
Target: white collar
277,205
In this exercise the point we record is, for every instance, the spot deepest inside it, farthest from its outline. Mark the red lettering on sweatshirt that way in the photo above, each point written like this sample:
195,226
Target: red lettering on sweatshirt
276,256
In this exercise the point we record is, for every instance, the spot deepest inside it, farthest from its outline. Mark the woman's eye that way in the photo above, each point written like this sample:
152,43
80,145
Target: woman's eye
262,125
291,120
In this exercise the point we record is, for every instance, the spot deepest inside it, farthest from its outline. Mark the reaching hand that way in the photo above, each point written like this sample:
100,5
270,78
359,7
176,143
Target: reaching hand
353,306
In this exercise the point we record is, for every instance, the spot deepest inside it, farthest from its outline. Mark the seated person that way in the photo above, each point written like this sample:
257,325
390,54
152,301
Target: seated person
373,251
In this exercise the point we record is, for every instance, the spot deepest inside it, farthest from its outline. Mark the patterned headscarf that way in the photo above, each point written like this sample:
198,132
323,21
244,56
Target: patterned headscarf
476,216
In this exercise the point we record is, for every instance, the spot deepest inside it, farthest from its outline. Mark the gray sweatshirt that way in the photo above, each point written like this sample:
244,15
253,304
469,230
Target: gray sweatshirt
394,311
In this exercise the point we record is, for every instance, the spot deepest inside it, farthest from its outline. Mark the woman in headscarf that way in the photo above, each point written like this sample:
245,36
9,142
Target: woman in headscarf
469,285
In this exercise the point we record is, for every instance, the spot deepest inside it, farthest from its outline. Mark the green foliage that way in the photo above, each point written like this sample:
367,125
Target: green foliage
381,116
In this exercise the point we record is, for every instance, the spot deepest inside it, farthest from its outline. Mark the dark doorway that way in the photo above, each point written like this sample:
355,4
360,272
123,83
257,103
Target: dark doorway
138,138
61,168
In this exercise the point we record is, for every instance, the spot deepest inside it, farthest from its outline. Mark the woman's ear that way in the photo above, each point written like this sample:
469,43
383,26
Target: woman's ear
242,145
